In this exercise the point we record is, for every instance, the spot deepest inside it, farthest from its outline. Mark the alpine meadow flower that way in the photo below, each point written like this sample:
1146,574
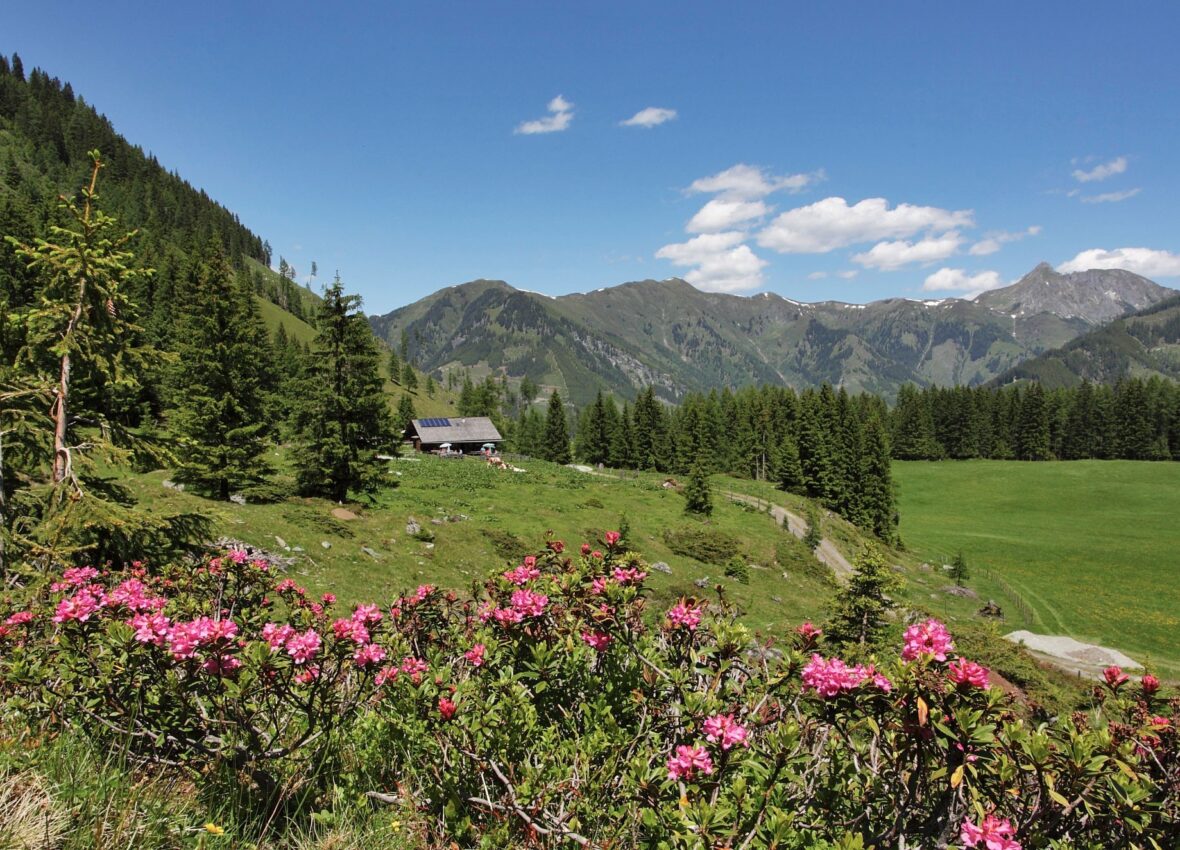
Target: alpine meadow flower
967,673
687,761
723,729
927,639
993,833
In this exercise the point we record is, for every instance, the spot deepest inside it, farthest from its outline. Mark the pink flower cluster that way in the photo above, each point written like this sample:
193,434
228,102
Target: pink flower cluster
629,575
523,574
474,655
369,655
927,639
831,677
684,616
303,646
81,606
809,632
599,641
724,729
524,603
20,618
967,673
994,834
686,761
611,538
1114,677
184,639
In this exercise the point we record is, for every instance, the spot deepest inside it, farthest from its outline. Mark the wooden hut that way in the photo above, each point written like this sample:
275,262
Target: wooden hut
468,434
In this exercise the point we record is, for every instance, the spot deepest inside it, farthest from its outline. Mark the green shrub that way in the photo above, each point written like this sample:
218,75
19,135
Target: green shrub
737,569
707,545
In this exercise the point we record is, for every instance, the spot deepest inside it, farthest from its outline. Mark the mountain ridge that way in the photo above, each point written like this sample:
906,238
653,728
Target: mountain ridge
669,334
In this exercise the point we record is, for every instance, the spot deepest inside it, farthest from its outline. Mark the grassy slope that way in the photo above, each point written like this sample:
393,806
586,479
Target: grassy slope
575,506
1090,545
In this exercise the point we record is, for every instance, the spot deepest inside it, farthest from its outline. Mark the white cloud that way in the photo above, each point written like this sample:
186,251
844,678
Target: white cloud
723,262
720,214
1101,171
817,275
848,274
1111,197
1145,261
991,242
653,116
891,256
749,182
832,223
966,285
561,114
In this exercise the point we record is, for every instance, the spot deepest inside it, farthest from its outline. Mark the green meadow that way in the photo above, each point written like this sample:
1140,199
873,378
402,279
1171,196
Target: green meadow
1091,546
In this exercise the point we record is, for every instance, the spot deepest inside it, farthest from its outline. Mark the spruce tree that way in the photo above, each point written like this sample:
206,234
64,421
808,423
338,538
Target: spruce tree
959,571
878,507
698,496
557,435
863,605
790,470
342,417
404,415
395,367
220,382
814,535
409,377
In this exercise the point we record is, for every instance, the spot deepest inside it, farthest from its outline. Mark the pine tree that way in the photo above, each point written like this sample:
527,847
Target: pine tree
864,603
593,436
404,415
698,496
557,435
959,571
878,506
342,417
221,381
409,377
913,427
814,535
395,367
1032,431
790,470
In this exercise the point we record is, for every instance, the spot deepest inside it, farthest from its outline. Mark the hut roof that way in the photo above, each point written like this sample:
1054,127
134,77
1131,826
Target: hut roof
471,429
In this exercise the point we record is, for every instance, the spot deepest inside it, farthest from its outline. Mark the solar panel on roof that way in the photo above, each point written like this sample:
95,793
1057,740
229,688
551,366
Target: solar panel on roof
435,423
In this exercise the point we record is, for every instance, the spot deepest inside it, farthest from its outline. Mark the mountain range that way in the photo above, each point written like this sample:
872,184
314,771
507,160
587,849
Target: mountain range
677,338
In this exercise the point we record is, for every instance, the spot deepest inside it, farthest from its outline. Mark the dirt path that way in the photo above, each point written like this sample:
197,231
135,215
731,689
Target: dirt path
825,553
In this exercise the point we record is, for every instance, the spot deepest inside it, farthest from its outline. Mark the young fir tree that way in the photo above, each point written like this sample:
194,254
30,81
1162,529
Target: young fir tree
594,434
814,534
878,507
404,415
395,367
409,377
81,326
698,496
342,418
220,382
790,470
864,603
557,436
959,571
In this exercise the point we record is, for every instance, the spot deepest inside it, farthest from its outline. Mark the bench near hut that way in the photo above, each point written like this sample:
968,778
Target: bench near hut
470,435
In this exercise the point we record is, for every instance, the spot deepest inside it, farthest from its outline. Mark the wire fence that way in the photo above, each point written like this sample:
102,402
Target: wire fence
1014,597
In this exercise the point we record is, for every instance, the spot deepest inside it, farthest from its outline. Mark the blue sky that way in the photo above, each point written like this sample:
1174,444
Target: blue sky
823,150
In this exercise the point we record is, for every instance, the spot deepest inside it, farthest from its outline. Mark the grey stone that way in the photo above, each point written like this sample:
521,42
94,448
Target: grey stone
412,526
370,553
281,542
325,544
172,485
661,567
702,582
238,499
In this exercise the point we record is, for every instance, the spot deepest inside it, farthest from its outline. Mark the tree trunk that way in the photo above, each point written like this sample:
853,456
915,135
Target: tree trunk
61,455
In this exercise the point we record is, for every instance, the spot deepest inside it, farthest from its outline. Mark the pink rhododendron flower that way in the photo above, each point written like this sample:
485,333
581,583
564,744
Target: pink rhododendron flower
414,668
1114,677
963,672
308,674
221,665
600,641
556,546
19,618
368,655
684,616
599,585
724,729
421,594
507,616
78,607
260,564
328,598
830,677
596,555
528,603
994,834
367,614
809,632
289,586
446,708
631,575
585,549
276,635
1150,683
79,575
686,761
879,681
387,674
304,646
928,638
150,628
522,575
474,655
238,556
352,629
611,538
